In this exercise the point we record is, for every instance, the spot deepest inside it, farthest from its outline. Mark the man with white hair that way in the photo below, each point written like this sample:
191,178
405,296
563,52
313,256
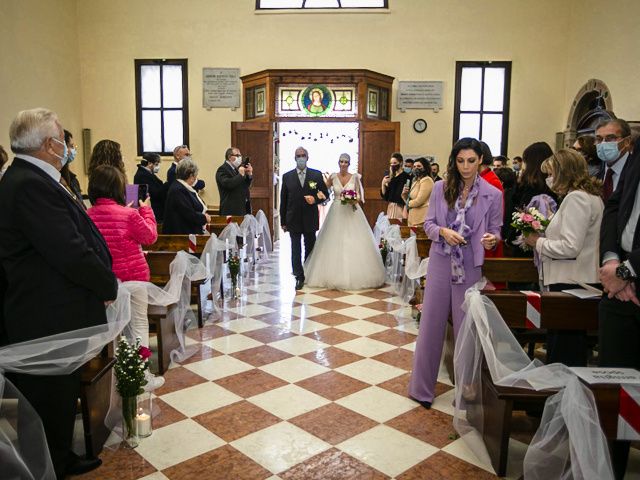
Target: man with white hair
180,152
57,269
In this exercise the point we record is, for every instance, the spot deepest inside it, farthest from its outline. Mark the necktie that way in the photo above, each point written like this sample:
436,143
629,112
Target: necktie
301,177
607,187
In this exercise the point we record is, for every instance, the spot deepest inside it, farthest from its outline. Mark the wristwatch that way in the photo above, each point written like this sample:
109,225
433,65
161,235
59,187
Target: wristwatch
623,272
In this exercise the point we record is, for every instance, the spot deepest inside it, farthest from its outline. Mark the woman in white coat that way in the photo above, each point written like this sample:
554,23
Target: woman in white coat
569,251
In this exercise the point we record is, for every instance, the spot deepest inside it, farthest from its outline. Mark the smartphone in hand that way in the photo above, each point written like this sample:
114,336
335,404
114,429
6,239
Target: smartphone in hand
143,192
133,193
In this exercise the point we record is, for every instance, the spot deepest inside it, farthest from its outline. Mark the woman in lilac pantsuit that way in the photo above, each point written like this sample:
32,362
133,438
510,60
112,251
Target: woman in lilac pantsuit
464,219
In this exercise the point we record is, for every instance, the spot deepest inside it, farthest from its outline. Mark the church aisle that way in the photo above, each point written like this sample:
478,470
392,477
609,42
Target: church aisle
300,385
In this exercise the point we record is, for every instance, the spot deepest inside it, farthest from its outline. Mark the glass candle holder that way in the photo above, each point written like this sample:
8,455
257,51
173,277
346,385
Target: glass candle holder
143,417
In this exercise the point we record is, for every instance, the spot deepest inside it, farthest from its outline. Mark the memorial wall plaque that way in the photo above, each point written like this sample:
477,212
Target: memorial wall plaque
221,87
419,94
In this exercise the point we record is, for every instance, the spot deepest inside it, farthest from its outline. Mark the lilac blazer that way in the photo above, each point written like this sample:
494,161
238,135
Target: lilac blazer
487,218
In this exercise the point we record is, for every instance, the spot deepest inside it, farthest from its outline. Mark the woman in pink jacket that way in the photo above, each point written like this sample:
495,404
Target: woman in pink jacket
125,229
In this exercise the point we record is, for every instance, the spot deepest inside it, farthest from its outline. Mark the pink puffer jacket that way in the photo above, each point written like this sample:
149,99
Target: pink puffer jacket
125,229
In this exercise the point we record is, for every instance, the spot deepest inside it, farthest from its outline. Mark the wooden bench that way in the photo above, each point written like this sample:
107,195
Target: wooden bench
95,396
175,243
159,263
558,311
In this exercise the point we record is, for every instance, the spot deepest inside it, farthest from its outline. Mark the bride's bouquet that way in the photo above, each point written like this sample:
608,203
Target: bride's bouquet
349,197
529,221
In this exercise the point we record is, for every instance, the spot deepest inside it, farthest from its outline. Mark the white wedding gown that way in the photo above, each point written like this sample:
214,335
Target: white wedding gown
345,256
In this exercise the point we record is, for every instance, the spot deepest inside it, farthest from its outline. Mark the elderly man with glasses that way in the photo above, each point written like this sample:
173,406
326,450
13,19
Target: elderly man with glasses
180,152
613,143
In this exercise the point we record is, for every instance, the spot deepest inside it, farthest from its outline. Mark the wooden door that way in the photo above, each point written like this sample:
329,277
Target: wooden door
255,139
378,140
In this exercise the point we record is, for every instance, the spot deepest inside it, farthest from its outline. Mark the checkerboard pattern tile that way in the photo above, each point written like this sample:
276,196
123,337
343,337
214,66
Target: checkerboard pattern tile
300,385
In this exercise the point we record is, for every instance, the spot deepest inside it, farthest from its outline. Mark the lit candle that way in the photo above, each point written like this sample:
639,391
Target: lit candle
143,424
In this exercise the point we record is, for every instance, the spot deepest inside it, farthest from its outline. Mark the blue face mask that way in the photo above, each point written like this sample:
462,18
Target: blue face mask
407,170
72,154
301,162
608,151
65,157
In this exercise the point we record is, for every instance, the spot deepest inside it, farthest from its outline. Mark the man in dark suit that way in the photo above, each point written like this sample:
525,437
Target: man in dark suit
302,189
619,336
234,181
57,268
180,152
613,142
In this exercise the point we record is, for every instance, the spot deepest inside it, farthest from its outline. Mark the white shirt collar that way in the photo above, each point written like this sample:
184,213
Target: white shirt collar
42,165
304,171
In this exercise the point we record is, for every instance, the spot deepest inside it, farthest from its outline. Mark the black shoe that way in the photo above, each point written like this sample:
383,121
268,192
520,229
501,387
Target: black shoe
299,283
79,465
424,403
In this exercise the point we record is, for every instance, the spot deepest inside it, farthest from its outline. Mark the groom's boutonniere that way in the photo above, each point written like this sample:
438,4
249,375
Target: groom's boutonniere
313,185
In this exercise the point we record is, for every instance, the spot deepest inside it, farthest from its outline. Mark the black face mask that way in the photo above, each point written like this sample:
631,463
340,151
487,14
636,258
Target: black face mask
418,172
394,168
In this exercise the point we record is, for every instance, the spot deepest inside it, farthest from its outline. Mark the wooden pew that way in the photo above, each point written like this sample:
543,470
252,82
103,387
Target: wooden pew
175,243
95,395
504,270
422,241
226,219
559,311
159,263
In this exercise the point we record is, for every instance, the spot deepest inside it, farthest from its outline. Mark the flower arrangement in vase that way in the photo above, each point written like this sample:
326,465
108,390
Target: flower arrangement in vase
131,363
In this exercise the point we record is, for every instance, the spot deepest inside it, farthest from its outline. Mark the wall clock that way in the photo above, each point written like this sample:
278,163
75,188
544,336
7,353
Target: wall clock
420,125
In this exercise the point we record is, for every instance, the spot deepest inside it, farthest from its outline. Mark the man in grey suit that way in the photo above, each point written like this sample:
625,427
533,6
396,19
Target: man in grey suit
302,189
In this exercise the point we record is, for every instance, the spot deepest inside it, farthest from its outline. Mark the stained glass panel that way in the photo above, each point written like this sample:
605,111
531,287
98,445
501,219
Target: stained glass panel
344,100
316,100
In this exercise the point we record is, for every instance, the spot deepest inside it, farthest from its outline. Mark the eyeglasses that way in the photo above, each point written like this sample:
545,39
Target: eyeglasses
236,154
608,138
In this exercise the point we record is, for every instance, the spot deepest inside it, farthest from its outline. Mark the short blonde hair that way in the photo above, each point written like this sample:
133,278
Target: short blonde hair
569,170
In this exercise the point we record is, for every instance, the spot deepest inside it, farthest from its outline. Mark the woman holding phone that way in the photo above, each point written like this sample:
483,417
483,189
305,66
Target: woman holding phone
463,220
125,229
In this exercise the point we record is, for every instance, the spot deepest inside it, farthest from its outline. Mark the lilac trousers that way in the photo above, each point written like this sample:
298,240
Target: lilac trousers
441,298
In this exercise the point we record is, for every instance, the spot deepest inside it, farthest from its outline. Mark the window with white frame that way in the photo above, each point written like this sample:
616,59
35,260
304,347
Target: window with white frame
162,107
311,4
482,103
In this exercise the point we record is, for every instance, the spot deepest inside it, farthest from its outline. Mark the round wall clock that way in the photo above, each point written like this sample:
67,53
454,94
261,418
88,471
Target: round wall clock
420,125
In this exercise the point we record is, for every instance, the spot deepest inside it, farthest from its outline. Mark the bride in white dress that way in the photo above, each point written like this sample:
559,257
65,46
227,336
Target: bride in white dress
345,256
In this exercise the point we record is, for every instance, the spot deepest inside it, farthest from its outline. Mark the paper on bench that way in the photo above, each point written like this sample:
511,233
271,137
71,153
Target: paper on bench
608,375
582,293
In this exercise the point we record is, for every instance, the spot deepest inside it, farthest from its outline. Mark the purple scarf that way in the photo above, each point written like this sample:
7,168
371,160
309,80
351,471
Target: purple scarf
459,225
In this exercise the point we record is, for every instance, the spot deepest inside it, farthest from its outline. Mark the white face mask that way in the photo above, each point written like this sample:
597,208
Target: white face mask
238,161
549,181
156,168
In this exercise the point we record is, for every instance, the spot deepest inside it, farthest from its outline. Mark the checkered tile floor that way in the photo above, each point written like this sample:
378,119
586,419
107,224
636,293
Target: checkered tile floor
306,385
